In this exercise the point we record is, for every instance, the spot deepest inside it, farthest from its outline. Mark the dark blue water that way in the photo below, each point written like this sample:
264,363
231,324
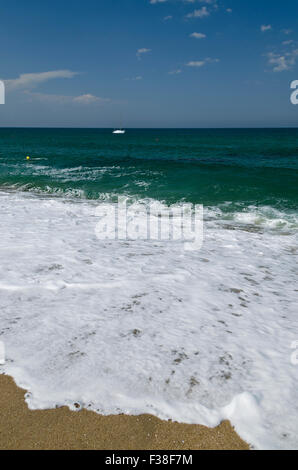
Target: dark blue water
211,167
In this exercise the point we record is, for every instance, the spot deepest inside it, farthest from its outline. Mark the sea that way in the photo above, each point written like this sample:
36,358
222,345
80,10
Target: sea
141,325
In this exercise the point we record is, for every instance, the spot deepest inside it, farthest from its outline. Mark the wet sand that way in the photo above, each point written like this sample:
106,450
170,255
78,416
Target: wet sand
62,429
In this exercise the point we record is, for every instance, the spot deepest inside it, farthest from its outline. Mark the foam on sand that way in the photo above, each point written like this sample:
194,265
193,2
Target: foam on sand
147,327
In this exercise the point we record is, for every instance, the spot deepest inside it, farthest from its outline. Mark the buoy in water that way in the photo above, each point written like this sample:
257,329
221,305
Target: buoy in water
27,158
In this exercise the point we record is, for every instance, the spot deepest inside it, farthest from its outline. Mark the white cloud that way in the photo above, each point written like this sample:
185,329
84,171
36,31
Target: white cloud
196,63
282,62
28,81
89,99
189,1
201,13
175,72
31,80
265,28
142,51
198,35
64,99
138,77
201,63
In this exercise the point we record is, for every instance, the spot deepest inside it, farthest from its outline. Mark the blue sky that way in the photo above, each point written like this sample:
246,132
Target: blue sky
158,63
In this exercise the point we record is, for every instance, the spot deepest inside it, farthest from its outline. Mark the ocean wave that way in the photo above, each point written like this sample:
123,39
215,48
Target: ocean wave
227,214
142,326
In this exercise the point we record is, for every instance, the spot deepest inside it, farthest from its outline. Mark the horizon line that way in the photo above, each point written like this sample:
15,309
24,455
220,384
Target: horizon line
150,128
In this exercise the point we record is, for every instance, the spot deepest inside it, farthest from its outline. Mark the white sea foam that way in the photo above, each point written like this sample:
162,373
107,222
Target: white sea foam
144,326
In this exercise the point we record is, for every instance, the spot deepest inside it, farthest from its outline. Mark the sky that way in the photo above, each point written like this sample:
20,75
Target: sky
149,63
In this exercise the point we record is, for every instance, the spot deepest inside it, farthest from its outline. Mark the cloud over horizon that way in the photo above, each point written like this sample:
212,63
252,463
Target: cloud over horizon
85,99
28,81
31,80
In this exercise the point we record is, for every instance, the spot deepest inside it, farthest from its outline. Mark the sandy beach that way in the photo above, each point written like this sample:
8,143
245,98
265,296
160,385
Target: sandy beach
63,429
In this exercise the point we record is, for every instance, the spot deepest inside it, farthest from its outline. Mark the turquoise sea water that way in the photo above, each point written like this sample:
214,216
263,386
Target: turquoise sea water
210,167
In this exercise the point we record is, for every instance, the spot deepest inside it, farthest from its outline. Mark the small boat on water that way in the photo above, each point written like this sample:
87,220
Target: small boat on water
119,131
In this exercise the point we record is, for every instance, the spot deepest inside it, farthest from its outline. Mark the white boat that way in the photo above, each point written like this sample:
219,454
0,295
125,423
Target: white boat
119,131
